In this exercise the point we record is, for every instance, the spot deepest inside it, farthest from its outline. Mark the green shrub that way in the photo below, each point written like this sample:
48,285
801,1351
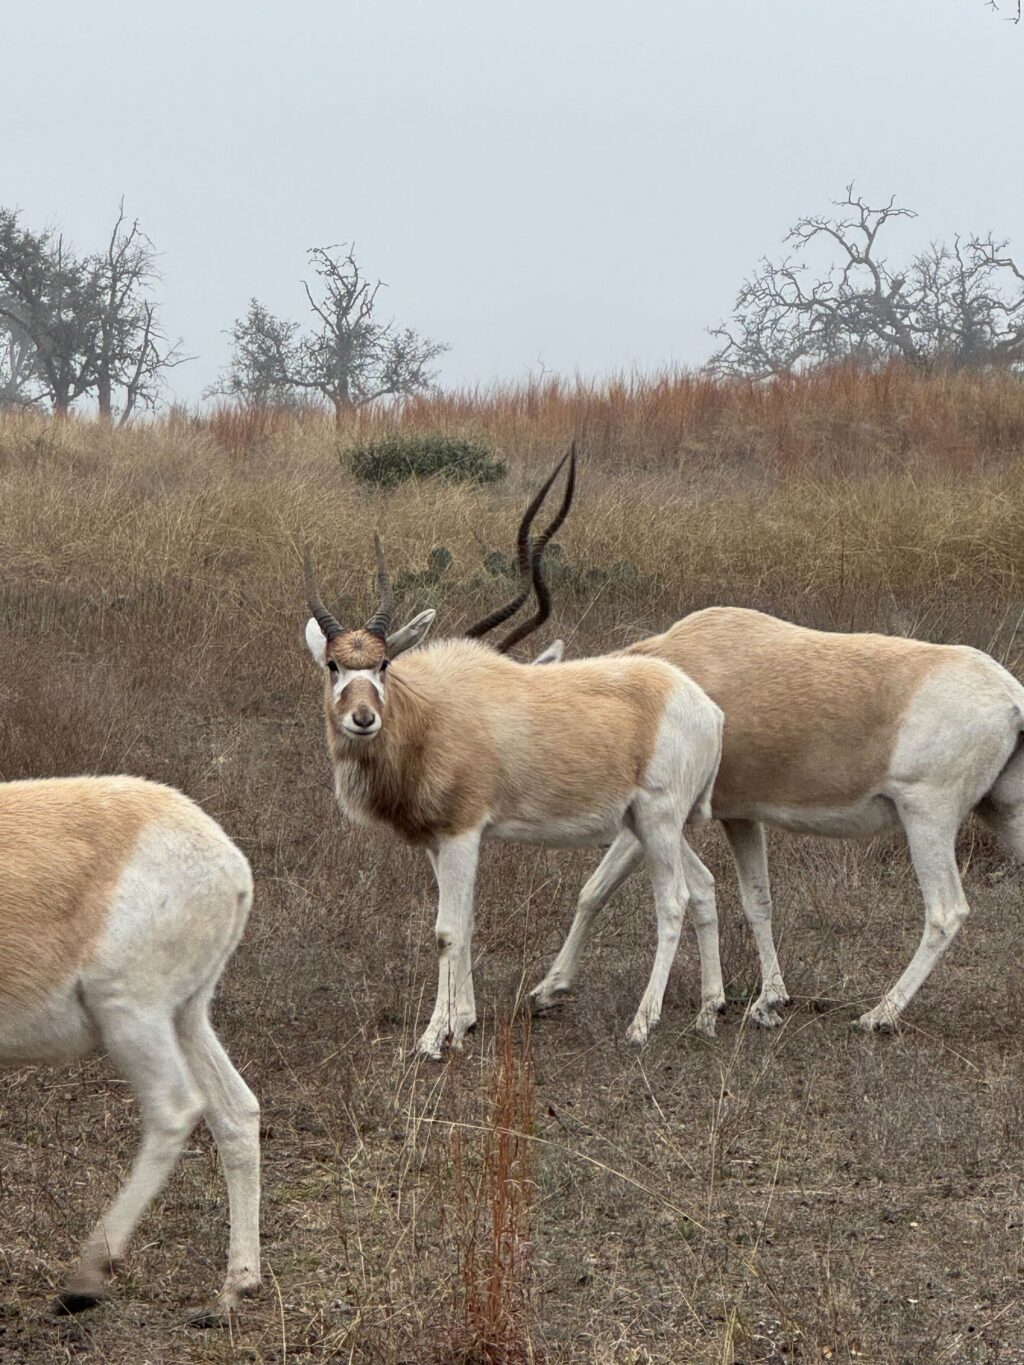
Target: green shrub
390,460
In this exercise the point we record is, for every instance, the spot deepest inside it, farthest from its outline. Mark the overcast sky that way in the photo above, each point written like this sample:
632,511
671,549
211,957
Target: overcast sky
576,185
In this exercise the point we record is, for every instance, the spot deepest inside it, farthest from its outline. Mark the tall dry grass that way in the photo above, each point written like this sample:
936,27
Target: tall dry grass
850,500
844,421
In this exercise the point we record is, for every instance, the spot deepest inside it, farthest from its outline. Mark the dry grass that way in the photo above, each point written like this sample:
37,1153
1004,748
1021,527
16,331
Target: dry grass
555,1198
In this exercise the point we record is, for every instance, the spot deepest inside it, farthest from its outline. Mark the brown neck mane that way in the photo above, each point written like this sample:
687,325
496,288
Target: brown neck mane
385,779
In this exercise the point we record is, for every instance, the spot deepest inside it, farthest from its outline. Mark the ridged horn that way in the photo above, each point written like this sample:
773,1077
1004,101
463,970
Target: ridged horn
322,616
524,562
540,586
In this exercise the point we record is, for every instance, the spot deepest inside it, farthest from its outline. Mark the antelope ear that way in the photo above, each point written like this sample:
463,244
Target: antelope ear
411,634
554,653
316,643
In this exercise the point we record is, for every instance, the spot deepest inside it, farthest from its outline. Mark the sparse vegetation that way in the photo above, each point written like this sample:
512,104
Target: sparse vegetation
810,1195
488,1211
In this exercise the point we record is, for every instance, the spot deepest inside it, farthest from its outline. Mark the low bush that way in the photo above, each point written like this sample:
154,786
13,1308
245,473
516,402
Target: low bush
390,460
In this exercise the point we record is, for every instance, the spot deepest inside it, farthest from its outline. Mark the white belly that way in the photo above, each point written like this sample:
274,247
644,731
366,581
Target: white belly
584,831
57,1029
863,820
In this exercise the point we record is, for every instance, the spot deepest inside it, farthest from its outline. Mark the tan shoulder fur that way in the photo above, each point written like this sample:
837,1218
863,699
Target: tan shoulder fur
471,735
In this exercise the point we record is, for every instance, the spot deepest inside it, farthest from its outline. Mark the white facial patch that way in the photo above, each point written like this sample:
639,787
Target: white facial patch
346,675
316,643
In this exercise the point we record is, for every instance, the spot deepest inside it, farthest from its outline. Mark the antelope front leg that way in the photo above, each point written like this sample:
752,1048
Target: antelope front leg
746,840
464,968
454,865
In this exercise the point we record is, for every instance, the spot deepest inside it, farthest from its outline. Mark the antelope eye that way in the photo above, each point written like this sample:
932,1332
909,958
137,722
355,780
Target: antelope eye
332,667
384,666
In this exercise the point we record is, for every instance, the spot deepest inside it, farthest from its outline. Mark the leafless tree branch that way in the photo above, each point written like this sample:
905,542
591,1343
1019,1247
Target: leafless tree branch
952,305
349,358
90,322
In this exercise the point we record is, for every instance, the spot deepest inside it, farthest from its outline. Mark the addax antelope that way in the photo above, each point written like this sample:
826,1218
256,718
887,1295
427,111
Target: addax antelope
458,743
120,904
847,736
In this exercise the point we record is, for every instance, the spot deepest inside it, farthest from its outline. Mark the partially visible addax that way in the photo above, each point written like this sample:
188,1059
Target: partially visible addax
120,904
457,743
849,736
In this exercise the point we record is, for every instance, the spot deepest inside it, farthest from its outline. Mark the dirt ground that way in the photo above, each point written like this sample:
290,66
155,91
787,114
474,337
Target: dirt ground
803,1195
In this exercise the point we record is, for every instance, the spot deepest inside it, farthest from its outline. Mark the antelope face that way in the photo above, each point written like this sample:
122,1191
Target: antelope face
354,661
355,664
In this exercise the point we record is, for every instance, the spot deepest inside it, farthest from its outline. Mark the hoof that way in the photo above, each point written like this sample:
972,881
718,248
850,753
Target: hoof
706,1021
884,1018
636,1038
71,1302
457,1036
433,1043
547,1001
229,1301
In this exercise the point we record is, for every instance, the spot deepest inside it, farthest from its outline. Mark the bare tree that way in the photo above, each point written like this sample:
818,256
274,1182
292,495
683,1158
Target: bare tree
349,358
999,6
953,305
131,351
83,325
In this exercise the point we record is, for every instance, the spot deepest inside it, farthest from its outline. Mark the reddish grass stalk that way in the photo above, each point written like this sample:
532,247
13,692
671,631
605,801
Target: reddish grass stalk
243,429
845,420
493,1168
